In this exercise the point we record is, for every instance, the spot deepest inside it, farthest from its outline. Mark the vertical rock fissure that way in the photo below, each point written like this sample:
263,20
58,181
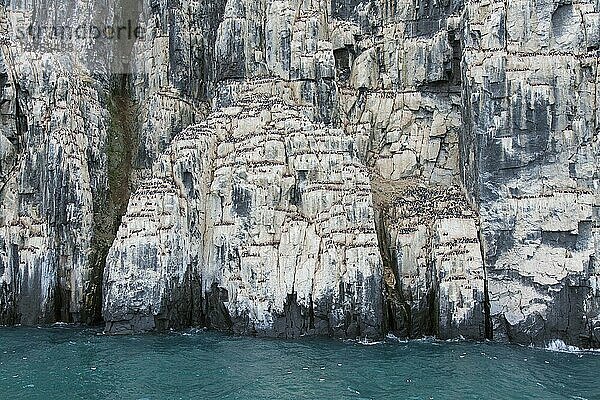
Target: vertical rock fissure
489,331
392,295
110,208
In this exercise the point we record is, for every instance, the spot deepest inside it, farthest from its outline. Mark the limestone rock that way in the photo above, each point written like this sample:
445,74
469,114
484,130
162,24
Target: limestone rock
288,167
280,225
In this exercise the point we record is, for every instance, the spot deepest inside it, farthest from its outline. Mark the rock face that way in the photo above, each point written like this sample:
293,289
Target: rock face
53,170
531,132
257,220
286,168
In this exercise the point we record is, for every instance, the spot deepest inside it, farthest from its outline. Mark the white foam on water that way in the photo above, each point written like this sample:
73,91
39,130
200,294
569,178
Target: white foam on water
62,325
191,332
460,338
391,336
558,345
364,342
353,390
367,342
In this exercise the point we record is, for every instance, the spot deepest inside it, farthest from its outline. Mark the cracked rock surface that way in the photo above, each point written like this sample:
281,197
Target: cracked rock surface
348,168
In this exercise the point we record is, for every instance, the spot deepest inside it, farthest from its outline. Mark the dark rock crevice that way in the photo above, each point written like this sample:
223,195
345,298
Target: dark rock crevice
8,293
397,313
110,206
216,313
489,329
121,146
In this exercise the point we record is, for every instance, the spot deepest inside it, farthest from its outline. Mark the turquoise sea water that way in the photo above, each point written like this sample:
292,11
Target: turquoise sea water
64,362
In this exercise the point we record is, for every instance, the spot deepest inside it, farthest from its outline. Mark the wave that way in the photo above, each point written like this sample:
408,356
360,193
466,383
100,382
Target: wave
364,341
62,324
395,339
191,332
390,338
558,345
